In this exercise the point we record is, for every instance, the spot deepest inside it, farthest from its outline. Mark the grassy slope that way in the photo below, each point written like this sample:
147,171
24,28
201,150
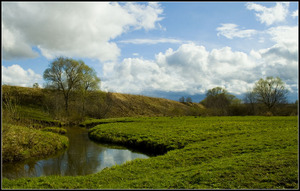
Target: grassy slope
21,130
218,152
27,137
21,143
120,105
127,105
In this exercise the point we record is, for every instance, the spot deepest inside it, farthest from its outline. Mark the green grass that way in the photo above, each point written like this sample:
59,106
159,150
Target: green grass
35,114
197,153
58,130
20,143
93,122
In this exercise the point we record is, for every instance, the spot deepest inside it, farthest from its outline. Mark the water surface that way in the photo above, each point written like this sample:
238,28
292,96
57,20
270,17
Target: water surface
81,158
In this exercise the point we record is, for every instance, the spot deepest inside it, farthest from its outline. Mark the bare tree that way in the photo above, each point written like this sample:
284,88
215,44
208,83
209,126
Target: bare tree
35,85
189,100
271,91
250,100
181,100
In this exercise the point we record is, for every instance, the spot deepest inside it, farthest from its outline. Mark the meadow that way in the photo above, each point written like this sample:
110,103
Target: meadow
250,152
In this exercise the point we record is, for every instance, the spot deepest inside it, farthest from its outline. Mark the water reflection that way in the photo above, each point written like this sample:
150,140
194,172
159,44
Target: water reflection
82,157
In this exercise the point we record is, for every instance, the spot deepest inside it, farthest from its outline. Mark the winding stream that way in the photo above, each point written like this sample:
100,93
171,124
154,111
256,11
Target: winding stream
81,158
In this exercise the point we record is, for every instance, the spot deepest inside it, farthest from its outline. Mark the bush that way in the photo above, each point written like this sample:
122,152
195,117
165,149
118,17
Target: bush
268,113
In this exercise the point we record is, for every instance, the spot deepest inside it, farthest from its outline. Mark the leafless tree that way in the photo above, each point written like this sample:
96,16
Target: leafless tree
271,91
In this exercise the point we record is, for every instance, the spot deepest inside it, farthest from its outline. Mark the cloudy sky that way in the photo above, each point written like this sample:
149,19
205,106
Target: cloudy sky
163,49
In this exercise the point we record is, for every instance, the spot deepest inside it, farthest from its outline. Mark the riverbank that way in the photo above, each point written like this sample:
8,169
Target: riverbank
82,157
20,143
201,153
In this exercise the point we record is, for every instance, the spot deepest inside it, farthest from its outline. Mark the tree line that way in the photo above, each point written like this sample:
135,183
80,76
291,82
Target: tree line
268,97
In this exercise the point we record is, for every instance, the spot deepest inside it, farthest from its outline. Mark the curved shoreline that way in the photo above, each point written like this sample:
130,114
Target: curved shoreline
145,147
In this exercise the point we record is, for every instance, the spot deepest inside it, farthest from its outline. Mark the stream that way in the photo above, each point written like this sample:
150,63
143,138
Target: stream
83,157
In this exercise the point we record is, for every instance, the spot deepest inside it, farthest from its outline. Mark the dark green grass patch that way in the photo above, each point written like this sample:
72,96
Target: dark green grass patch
199,153
58,130
37,115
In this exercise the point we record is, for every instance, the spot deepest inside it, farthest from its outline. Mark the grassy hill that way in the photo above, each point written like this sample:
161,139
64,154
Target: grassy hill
97,104
126,105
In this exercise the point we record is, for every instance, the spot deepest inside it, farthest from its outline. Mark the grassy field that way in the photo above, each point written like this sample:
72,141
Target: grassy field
195,152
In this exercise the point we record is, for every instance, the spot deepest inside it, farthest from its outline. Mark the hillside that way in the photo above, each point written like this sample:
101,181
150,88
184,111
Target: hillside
126,105
96,104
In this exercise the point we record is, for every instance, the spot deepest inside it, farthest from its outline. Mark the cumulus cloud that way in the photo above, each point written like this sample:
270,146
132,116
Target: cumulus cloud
190,68
230,30
72,29
295,14
282,58
151,41
16,75
193,69
285,36
278,13
14,46
145,16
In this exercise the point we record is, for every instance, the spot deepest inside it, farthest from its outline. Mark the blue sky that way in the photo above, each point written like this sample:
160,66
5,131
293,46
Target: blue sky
160,49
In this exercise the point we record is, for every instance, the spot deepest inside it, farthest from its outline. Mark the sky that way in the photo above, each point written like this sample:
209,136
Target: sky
158,49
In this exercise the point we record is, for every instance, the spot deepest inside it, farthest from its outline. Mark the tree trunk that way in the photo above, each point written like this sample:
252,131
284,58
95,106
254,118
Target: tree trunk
67,105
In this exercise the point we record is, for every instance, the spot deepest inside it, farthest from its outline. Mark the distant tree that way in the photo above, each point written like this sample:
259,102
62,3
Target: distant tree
218,98
236,108
250,97
270,91
250,100
89,81
35,85
68,75
189,100
181,100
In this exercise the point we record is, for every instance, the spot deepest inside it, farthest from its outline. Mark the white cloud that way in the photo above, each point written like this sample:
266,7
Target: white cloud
271,15
286,37
295,14
230,31
190,68
146,16
16,75
72,29
193,69
282,58
151,41
14,46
